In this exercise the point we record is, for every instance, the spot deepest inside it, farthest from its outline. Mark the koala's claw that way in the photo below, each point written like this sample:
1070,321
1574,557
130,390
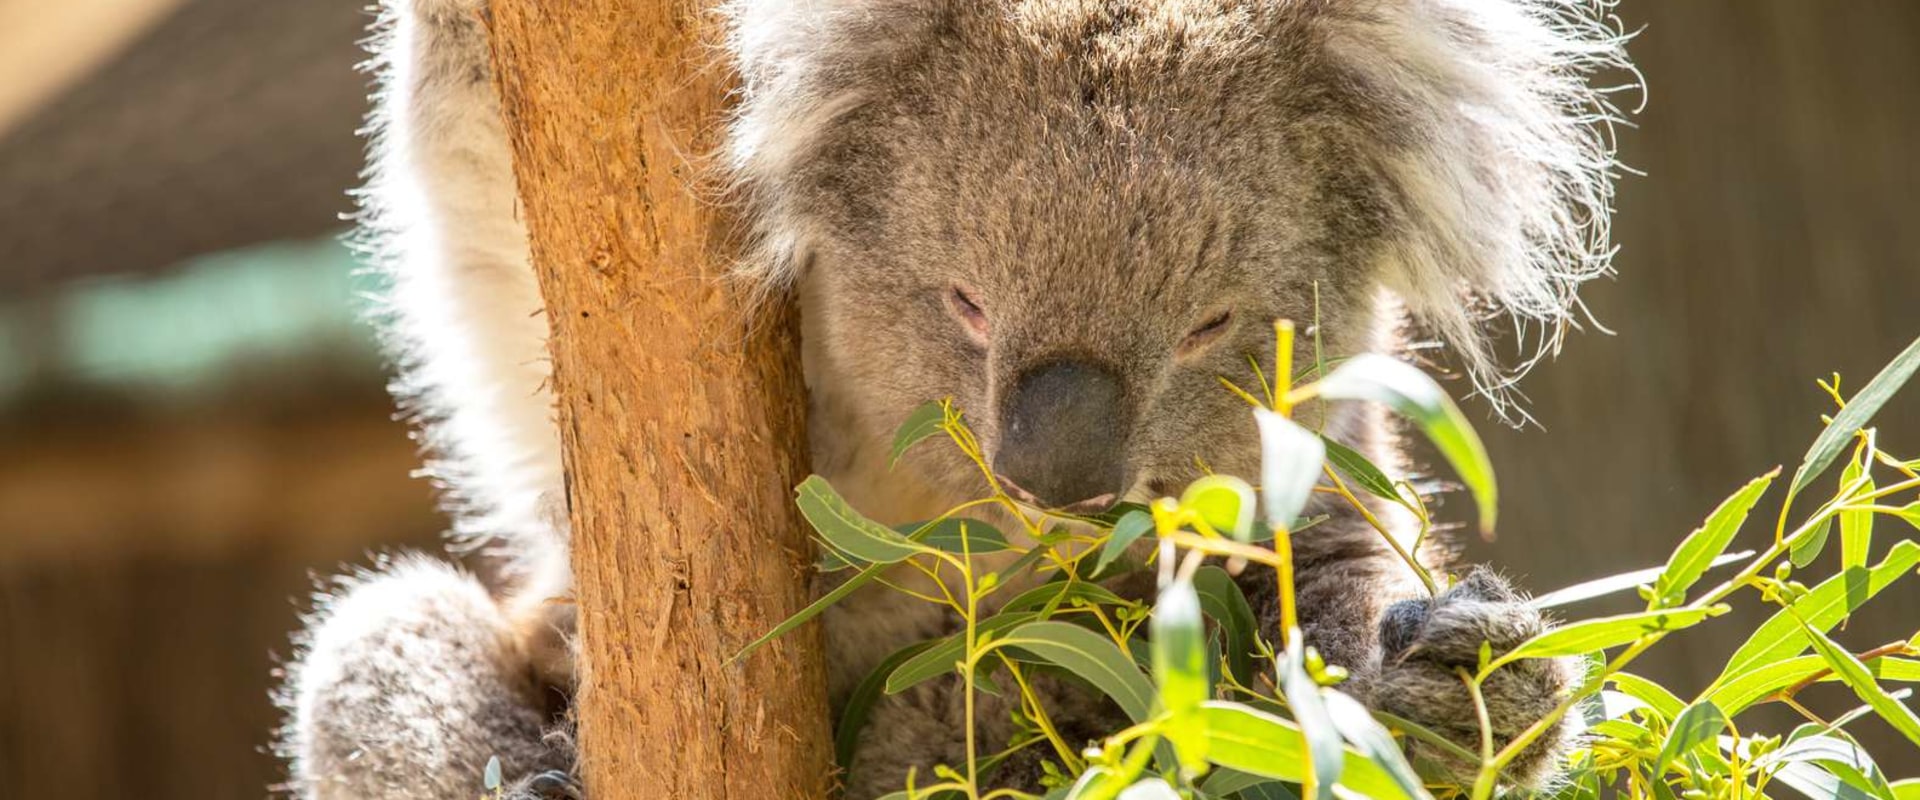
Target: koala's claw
1427,644
549,785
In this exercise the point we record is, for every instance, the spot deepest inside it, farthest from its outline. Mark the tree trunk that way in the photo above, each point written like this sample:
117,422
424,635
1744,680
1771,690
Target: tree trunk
681,415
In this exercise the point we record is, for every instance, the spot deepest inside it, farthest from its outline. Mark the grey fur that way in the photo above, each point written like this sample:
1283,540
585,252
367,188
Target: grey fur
1104,177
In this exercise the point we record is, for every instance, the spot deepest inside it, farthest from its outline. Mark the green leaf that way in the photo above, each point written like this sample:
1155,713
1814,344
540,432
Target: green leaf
1857,677
859,704
1092,657
1262,744
1180,668
1696,725
1601,587
1823,607
957,535
1856,527
1908,789
1129,528
1654,695
1225,502
1359,728
1359,470
1752,686
1415,396
1222,599
1808,548
1096,782
941,655
1840,757
1859,411
1699,550
1593,635
921,423
862,578
1819,784
1048,596
1290,462
847,530
1316,724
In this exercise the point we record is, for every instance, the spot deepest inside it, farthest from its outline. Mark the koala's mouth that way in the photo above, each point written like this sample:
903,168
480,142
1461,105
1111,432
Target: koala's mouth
1091,505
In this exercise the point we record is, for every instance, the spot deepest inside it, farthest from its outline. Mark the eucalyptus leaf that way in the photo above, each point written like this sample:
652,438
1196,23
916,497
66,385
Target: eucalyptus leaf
1696,725
1858,412
1600,587
1654,695
1316,723
1588,636
1415,396
920,423
1856,527
1262,744
862,578
1857,677
1752,686
1223,600
1808,548
1357,725
1360,471
957,535
1290,461
941,656
1126,531
847,530
1180,669
1822,607
1225,502
1702,547
1092,657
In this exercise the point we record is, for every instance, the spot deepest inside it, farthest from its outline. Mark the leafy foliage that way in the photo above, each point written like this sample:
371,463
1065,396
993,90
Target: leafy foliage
1218,712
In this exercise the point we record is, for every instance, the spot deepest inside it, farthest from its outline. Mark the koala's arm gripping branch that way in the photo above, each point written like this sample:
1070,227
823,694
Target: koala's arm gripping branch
682,426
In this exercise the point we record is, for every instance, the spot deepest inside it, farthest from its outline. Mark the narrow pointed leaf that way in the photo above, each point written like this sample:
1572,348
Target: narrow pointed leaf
1654,695
1092,657
1180,670
862,578
1126,531
1316,724
1750,687
941,656
1857,677
1359,470
847,530
1601,587
1262,744
1290,461
1696,725
1415,396
1358,727
1702,547
1594,635
1823,607
1856,527
921,423
1223,600
1859,411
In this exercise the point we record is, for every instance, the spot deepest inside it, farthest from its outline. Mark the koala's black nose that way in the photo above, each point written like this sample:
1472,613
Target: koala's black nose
1063,432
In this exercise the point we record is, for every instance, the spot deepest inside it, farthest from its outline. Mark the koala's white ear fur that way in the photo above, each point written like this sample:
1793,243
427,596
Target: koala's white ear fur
1505,187
800,64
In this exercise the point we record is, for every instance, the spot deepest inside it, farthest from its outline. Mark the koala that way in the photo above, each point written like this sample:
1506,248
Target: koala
1071,217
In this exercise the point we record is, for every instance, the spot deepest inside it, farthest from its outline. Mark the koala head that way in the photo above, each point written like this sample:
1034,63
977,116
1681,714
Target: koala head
1074,218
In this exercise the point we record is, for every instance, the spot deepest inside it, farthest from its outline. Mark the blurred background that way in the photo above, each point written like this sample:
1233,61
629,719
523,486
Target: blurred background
193,422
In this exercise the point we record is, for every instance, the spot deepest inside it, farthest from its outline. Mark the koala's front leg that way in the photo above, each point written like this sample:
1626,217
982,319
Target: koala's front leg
1426,645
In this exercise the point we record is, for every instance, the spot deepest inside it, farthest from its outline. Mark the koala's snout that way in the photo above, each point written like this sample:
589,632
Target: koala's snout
1063,436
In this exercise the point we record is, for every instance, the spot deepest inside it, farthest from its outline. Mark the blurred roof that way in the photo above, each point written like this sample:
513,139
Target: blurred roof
223,123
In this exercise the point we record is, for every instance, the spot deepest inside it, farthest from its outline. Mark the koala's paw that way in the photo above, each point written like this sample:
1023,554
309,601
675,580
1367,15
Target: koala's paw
549,785
1425,646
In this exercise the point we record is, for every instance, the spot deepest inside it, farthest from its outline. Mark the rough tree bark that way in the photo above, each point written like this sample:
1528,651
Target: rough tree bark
681,422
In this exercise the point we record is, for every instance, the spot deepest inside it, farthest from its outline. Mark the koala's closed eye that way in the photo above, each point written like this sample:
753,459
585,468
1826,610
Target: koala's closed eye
970,313
1206,333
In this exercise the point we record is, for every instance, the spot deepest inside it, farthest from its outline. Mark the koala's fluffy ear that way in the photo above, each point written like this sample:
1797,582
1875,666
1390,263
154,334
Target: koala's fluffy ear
1501,164
804,65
